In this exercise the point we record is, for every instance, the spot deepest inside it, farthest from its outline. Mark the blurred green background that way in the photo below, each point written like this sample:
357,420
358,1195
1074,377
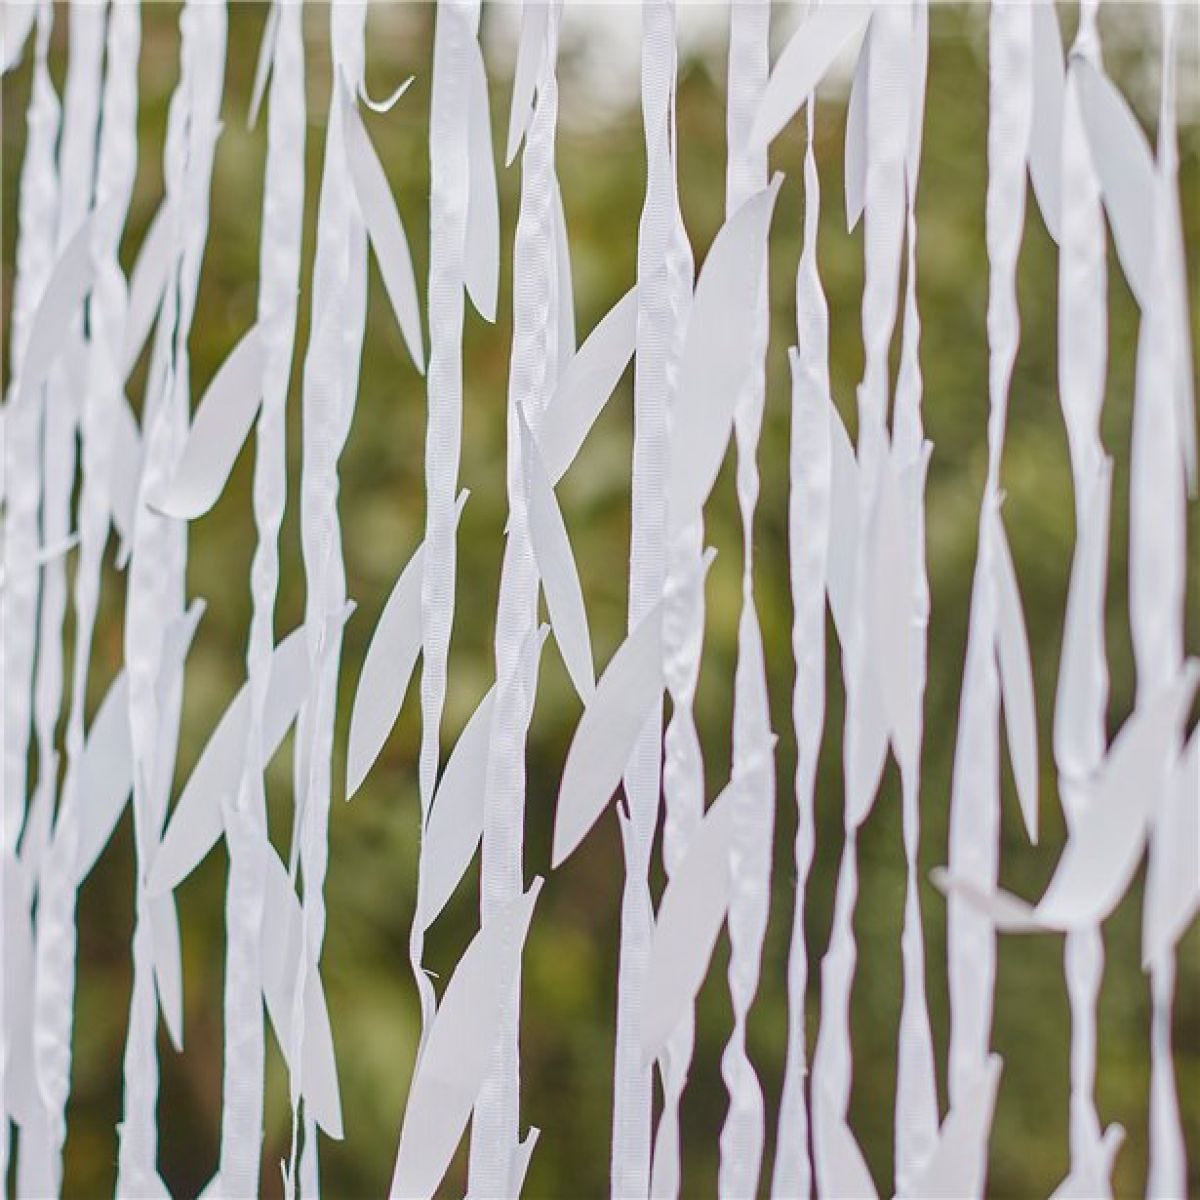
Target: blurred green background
570,961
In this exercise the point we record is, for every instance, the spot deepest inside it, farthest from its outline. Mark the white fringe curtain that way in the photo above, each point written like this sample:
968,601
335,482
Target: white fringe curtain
79,460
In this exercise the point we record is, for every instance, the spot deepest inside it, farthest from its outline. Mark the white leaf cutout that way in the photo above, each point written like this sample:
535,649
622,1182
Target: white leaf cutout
482,250
456,815
525,74
168,964
18,17
842,1172
856,137
892,617
716,353
958,1165
631,685
1173,878
520,1161
1107,838
1045,133
804,62
379,214
387,669
281,942
1125,168
843,531
222,423
148,283
689,921
262,69
556,566
106,776
1016,680
1008,913
196,822
65,291
585,386
126,473
455,1060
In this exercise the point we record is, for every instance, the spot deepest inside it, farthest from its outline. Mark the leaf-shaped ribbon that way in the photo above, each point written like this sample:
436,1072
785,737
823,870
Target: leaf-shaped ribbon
525,74
387,669
556,567
68,285
892,616
520,1161
482,250
196,822
1107,838
168,964
282,924
147,284
1125,167
17,17
804,62
126,473
1108,833
106,771
843,519
585,386
1008,913
958,1165
1173,878
842,1172
631,685
716,353
856,137
455,1060
1045,133
456,815
222,423
1016,680
689,920
379,214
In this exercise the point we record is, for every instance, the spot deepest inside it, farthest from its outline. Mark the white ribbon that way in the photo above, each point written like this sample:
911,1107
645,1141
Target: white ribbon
495,1132
753,770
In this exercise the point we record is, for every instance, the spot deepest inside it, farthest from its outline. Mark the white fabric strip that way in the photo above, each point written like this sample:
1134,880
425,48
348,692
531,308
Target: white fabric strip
330,388
77,163
916,1112
887,134
658,339
35,254
753,773
157,570
1158,574
37,210
246,831
682,640
809,486
449,201
495,1130
975,794
1082,700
